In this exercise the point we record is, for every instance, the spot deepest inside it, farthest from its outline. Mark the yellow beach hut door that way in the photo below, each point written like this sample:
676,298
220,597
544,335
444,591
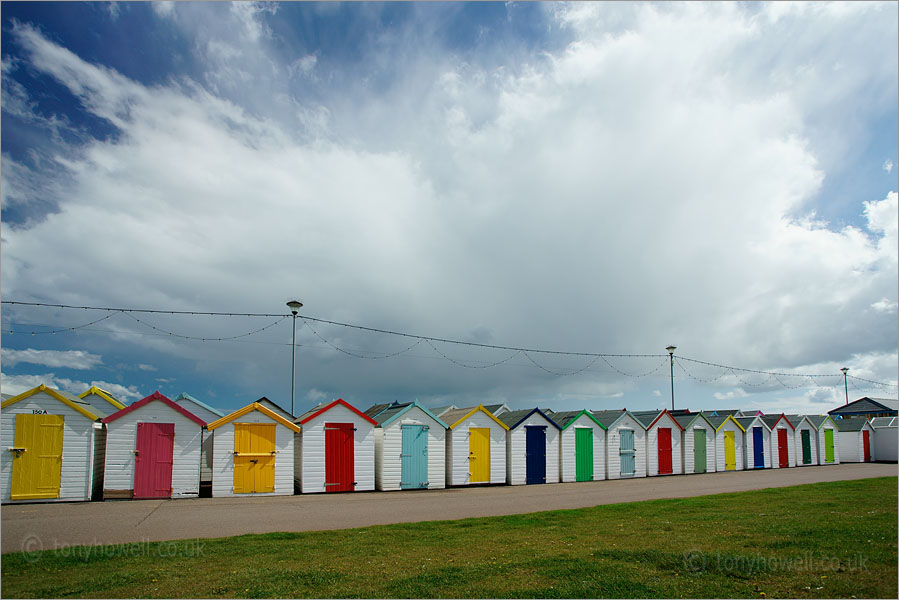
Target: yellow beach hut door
479,454
254,458
730,454
37,457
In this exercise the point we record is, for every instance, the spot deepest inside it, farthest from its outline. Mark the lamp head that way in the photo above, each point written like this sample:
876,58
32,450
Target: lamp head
844,370
294,306
671,349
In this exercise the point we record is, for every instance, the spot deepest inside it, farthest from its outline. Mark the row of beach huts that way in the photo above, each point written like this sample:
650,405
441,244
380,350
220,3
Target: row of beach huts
93,447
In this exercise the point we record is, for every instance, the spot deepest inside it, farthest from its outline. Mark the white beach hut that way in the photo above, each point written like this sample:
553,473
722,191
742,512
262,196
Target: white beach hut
805,440
828,439
783,441
698,446
582,455
253,451
729,438
663,442
886,440
153,450
54,447
207,414
757,443
532,447
337,450
475,447
856,439
625,444
410,448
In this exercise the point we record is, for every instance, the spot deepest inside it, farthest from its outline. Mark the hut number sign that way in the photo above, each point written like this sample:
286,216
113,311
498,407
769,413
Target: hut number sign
38,411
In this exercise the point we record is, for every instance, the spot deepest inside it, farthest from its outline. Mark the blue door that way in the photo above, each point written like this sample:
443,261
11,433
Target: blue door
758,448
535,451
414,457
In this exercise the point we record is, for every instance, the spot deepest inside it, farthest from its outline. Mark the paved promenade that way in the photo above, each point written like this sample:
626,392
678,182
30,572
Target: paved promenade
33,527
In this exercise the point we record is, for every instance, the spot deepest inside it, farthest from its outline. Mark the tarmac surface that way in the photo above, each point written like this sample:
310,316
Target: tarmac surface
32,527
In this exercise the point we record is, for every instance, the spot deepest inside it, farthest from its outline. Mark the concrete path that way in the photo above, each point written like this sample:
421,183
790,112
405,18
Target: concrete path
32,527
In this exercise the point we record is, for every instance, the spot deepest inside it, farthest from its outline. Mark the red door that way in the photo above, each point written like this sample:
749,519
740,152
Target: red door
783,450
153,460
339,473
866,441
665,451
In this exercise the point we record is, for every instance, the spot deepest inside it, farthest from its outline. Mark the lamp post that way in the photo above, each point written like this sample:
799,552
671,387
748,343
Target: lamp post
845,370
294,306
671,350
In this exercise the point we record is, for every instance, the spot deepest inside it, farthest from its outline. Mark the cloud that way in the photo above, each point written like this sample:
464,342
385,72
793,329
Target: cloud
653,178
70,359
731,395
16,384
888,165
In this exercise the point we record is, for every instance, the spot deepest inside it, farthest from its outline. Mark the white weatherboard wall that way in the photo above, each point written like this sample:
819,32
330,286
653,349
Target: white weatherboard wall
886,441
389,445
457,450
813,443
121,441
613,446
568,458
311,475
223,457
652,446
207,448
749,446
516,457
738,446
852,448
822,444
775,445
78,448
711,461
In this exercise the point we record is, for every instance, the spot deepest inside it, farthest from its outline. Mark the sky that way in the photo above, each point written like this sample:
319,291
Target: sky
599,179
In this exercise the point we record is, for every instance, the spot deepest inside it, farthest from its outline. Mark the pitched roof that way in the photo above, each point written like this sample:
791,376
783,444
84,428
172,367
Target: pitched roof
867,405
851,423
685,420
497,409
514,418
746,422
718,421
89,411
376,409
311,414
440,410
609,417
649,417
564,419
275,408
879,422
819,420
772,420
102,394
249,408
155,397
386,417
796,420
456,416
189,398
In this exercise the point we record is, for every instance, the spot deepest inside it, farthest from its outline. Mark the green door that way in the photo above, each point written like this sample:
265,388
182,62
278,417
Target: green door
828,445
806,447
699,450
583,452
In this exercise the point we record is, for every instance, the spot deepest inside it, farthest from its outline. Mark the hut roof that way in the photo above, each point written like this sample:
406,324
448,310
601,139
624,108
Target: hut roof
311,414
386,417
155,397
249,408
514,418
456,416
89,411
564,419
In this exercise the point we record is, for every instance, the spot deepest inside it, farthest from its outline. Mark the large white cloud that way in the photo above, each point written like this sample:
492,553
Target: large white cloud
652,182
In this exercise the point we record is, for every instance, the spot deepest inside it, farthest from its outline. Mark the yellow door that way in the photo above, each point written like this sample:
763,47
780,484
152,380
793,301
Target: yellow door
479,454
37,457
730,455
254,458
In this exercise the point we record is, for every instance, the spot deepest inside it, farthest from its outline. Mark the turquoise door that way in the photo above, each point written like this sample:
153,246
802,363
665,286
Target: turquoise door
414,457
627,452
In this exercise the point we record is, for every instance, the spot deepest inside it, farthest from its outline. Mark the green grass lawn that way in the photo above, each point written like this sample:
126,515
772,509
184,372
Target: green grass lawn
819,541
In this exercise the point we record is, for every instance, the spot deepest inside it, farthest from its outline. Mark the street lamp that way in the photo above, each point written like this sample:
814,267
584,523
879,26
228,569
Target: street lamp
845,370
294,306
671,350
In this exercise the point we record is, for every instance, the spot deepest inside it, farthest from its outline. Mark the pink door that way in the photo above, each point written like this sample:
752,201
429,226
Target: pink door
153,460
